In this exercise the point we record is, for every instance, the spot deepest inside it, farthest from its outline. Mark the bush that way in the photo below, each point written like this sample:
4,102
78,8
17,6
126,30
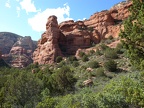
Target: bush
110,37
93,64
75,63
72,58
110,65
111,53
91,52
103,46
98,52
58,59
119,49
85,58
81,54
61,64
100,72
62,80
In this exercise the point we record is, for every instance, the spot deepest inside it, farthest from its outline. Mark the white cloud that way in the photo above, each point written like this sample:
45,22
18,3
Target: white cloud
28,6
38,22
18,11
81,19
7,4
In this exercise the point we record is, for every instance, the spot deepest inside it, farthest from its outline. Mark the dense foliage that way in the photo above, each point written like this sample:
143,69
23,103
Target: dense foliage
99,79
133,34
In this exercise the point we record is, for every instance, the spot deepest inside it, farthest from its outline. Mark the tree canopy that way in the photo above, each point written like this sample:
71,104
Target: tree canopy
133,34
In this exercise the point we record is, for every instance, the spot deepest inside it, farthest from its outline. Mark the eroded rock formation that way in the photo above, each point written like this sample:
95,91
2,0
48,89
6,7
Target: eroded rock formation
69,36
76,36
16,50
48,46
108,22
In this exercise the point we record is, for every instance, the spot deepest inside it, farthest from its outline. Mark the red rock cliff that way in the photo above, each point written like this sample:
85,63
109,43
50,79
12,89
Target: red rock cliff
48,48
69,36
108,22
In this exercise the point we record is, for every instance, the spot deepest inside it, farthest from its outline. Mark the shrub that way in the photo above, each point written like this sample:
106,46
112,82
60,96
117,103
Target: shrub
111,53
58,59
100,72
93,64
61,64
85,58
119,49
72,58
92,52
110,37
98,52
81,54
110,65
103,46
75,63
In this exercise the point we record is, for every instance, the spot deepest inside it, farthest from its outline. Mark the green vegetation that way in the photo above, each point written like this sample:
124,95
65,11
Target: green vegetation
110,65
58,59
103,78
133,34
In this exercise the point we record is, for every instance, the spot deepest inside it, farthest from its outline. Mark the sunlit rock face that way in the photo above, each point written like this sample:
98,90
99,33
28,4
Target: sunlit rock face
16,50
48,47
68,37
109,22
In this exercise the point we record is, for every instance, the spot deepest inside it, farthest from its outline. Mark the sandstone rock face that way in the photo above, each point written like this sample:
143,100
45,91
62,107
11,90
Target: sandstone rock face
108,22
7,40
76,36
48,48
20,57
16,50
69,37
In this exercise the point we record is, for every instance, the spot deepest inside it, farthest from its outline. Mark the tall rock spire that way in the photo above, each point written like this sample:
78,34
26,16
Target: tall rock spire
48,48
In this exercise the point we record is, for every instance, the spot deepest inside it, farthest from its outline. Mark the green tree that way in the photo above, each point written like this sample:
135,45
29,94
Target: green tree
22,89
133,33
62,80
110,65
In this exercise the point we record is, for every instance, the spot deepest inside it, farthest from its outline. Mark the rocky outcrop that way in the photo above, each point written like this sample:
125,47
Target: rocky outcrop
76,36
48,46
16,50
69,37
108,22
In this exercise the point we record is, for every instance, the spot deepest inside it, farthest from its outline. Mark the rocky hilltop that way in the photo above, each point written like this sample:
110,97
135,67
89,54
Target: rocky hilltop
69,36
16,50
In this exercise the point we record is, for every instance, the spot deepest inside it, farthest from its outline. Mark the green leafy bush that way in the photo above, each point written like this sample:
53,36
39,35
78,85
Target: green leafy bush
72,58
103,46
58,59
98,52
93,64
75,63
91,52
110,65
100,72
111,53
81,54
85,58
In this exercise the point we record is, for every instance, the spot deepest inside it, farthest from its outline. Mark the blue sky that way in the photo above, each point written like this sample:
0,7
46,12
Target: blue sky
28,17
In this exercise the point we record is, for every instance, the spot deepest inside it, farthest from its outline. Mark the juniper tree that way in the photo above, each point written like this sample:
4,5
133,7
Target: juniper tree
133,34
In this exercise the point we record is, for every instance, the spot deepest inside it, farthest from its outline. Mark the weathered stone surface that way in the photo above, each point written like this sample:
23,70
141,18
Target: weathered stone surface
108,22
69,37
76,36
16,50
48,48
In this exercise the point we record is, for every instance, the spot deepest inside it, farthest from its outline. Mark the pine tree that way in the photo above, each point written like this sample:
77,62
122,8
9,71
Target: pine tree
133,34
